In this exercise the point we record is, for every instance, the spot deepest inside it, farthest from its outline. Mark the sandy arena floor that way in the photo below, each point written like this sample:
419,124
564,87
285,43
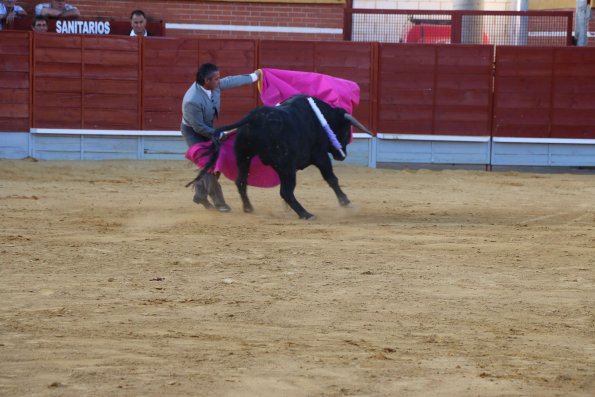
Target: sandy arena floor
436,283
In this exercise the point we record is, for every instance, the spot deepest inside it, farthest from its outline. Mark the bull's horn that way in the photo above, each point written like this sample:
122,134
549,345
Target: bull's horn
357,124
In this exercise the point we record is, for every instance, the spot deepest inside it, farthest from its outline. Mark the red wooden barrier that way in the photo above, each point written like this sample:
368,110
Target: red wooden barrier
77,81
14,82
57,81
111,83
169,67
86,82
573,103
435,89
544,92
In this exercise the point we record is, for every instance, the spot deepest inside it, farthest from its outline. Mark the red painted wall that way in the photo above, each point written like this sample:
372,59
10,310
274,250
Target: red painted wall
14,81
435,89
544,92
86,82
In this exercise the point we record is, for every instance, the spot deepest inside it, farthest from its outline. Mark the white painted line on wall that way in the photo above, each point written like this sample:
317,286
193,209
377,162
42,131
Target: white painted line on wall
565,141
250,28
447,138
403,137
63,131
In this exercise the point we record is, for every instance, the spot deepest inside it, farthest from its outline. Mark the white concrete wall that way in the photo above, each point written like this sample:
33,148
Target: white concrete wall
489,5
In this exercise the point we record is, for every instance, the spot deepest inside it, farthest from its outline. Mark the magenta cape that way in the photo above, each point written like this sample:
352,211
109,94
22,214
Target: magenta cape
276,86
260,175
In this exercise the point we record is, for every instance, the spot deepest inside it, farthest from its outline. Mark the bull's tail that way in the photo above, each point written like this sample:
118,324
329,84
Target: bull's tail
213,153
235,125
213,150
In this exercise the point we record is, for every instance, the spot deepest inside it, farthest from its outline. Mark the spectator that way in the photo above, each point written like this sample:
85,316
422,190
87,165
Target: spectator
138,21
57,9
40,24
9,11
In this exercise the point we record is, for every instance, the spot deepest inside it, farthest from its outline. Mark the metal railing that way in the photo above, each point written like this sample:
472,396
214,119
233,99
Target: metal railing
535,28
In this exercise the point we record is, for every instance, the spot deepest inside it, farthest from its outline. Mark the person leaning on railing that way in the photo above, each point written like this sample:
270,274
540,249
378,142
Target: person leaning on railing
57,9
9,11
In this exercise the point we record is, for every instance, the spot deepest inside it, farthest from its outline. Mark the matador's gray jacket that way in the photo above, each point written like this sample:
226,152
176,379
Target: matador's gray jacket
199,112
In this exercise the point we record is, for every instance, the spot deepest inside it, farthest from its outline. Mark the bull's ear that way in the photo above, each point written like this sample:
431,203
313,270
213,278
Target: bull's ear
357,124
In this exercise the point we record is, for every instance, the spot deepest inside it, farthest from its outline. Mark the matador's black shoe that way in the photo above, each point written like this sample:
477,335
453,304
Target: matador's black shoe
204,201
223,207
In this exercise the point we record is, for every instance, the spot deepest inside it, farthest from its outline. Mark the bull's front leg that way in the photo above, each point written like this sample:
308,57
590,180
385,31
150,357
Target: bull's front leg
288,182
329,176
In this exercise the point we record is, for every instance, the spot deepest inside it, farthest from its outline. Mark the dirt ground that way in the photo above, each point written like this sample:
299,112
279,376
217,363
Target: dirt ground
435,283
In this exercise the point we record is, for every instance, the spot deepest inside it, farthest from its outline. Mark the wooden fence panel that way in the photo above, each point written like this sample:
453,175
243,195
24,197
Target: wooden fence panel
288,55
169,68
435,90
111,82
523,92
57,81
99,82
544,92
14,81
463,102
406,88
573,102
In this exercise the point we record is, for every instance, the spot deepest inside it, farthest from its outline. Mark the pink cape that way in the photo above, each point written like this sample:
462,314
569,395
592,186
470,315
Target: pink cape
276,86
260,174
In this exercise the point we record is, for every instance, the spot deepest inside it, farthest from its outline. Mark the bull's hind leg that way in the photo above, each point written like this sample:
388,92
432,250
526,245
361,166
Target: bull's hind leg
288,182
332,180
243,163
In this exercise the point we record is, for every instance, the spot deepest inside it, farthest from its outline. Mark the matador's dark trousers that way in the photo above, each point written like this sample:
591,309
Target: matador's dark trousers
209,185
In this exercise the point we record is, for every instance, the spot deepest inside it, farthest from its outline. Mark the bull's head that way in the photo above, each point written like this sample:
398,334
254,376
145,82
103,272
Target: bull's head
343,132
337,124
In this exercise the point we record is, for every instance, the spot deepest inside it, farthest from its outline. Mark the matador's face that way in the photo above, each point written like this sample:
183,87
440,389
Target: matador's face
213,82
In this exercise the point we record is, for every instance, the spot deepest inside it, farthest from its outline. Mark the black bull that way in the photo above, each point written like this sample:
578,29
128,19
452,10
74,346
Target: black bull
289,137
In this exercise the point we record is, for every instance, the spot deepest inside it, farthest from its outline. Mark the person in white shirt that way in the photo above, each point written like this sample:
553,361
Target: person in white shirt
138,22
57,9
9,11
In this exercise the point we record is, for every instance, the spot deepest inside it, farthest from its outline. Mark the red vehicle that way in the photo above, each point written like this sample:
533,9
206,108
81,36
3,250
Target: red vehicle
432,34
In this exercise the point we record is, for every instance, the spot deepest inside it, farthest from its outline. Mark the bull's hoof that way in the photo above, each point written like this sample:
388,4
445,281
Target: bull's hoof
308,217
248,210
347,205
344,201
